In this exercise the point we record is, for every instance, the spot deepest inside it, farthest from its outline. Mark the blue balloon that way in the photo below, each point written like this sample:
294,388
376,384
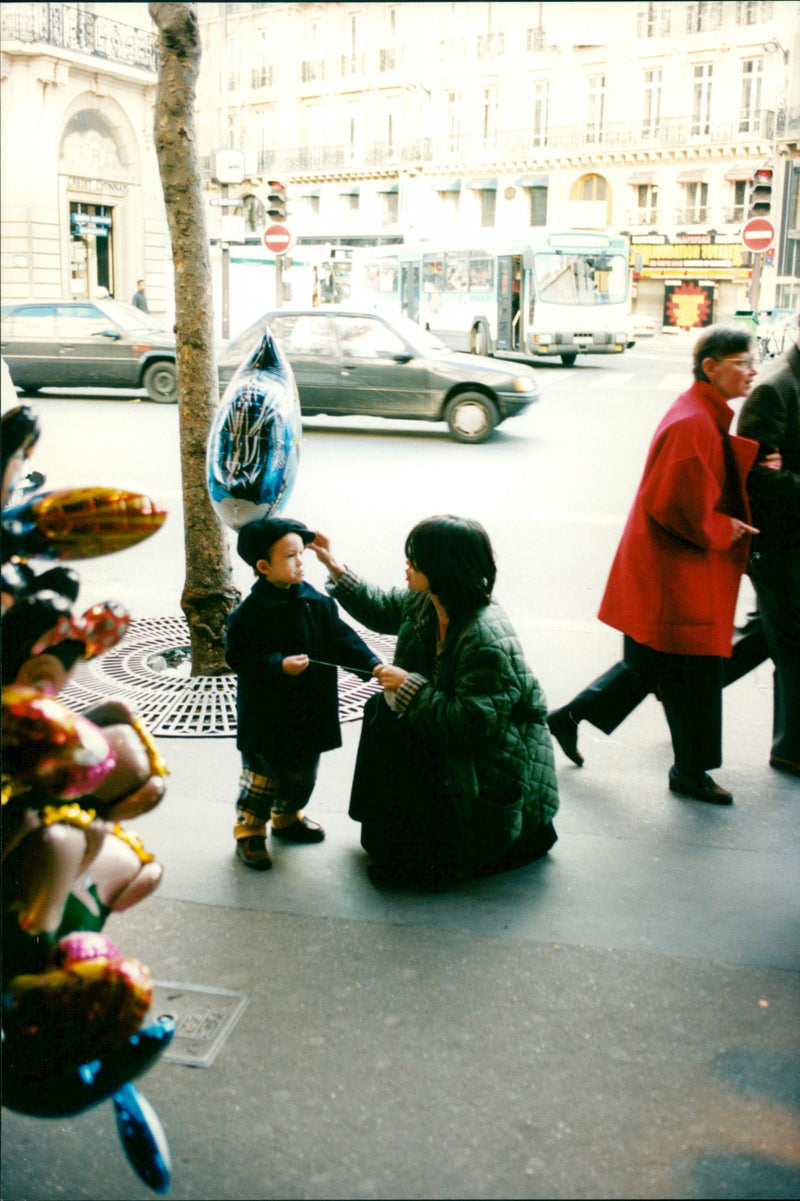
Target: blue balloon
254,446
143,1138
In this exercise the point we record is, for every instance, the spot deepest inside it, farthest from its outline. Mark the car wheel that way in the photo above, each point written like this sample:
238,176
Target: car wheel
568,359
471,417
480,342
161,382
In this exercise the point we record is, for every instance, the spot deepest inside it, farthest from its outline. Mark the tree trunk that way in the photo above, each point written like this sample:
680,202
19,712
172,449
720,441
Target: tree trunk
208,592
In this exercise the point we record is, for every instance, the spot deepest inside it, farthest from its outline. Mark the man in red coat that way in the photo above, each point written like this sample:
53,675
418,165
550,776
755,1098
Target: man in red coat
675,579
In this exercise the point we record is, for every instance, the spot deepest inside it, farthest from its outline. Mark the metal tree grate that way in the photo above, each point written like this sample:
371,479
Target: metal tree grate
148,671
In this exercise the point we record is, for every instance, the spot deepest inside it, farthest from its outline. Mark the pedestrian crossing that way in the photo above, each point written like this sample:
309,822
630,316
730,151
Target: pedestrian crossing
616,381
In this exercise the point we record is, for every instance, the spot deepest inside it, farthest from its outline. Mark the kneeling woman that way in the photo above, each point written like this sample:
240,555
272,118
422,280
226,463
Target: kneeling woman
455,774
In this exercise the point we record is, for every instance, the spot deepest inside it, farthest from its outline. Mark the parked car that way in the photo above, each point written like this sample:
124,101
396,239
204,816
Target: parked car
87,344
350,363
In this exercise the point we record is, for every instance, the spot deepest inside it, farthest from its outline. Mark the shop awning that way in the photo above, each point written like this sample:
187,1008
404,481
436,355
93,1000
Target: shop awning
733,174
640,178
483,185
387,187
352,189
447,185
533,181
695,175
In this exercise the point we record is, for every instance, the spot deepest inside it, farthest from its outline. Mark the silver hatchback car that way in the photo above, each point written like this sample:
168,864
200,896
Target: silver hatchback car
88,344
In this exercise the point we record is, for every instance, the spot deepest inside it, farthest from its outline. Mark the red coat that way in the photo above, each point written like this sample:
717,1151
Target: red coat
675,578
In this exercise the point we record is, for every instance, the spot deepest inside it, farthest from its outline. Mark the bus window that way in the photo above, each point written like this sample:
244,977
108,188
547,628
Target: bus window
432,273
380,275
581,278
480,274
457,273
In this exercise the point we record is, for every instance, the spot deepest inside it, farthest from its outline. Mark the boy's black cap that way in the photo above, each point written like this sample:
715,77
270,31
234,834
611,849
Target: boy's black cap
257,538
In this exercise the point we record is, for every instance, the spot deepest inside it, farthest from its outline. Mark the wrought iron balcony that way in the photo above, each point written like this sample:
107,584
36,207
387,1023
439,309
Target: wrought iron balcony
68,28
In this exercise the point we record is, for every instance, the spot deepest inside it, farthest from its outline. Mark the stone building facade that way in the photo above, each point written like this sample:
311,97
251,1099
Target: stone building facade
82,209
473,120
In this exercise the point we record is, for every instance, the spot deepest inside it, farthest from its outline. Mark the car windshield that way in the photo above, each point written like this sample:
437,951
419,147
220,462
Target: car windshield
127,317
419,338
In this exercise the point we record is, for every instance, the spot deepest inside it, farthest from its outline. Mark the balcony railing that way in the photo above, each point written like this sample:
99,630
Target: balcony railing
521,143
69,28
312,69
490,45
261,77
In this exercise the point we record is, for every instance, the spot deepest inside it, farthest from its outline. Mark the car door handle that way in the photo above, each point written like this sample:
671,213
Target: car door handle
345,371
65,349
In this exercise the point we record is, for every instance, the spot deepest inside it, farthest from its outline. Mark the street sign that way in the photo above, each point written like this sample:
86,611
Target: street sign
758,234
277,239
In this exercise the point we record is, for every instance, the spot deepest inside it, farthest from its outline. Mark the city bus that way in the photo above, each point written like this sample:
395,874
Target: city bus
559,293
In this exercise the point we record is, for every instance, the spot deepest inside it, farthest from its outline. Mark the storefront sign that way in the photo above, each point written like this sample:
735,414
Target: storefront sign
81,183
718,260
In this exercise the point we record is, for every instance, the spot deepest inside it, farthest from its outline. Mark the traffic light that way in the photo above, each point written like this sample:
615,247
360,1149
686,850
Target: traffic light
276,201
760,193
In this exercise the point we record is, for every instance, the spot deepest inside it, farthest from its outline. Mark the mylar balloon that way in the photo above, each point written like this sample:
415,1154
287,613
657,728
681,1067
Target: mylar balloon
254,445
80,523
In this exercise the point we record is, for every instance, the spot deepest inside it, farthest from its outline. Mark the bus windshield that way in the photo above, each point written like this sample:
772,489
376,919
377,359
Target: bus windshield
583,279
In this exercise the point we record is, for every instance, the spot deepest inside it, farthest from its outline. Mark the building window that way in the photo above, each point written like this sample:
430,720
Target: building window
595,109
738,210
646,204
389,208
695,211
538,206
703,16
489,118
750,110
488,203
232,71
541,112
753,12
651,103
453,122
653,21
701,100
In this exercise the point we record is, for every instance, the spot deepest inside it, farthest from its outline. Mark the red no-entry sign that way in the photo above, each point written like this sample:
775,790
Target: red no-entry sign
758,234
277,239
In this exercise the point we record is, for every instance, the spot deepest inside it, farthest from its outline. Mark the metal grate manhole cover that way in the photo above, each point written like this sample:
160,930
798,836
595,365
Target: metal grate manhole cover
204,1017
148,671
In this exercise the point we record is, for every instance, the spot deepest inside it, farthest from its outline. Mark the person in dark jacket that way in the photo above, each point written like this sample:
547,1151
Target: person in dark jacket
455,774
139,300
771,416
287,701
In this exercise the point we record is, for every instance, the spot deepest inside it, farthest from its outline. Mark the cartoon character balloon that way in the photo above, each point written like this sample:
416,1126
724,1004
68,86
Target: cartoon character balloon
254,446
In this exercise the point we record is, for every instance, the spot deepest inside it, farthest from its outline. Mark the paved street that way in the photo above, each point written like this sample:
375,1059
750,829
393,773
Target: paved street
619,1020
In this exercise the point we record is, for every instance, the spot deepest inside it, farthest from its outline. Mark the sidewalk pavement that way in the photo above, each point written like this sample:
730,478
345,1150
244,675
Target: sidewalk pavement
618,1020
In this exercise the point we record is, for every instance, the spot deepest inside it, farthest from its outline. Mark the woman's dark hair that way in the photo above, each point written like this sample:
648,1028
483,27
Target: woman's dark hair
457,557
718,342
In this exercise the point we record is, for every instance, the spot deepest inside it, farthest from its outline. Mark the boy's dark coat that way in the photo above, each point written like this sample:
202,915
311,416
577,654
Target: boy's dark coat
284,717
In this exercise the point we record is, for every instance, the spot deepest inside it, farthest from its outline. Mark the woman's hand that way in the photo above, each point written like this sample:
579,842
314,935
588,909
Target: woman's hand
389,677
321,547
740,528
293,665
774,460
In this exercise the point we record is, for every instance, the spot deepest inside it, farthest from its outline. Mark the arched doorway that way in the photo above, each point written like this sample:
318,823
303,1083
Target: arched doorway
92,161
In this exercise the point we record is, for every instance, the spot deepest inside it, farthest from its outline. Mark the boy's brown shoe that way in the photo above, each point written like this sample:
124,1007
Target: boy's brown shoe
253,851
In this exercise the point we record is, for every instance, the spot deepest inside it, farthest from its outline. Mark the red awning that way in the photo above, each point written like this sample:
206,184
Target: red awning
640,178
733,174
695,175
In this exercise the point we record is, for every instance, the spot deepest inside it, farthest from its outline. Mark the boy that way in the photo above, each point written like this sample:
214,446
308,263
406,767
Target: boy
287,704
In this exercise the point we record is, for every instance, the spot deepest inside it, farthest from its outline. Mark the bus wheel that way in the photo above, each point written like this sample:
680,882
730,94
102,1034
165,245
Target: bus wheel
568,359
161,382
471,417
481,342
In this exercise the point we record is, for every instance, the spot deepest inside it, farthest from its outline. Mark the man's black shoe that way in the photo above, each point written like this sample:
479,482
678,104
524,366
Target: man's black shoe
703,789
564,729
